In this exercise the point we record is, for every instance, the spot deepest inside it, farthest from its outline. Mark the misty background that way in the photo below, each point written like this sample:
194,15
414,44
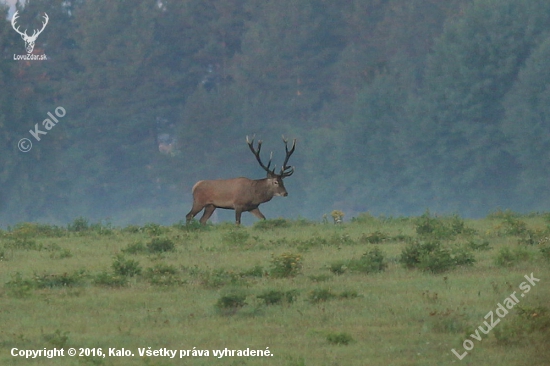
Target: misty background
398,106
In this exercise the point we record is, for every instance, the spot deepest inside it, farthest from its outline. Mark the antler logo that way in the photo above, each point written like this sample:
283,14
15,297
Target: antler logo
29,40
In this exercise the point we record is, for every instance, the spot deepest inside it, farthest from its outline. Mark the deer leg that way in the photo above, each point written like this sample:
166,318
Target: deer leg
208,211
238,212
256,212
194,211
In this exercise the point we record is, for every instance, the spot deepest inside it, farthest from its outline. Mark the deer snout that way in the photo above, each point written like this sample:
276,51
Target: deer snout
284,194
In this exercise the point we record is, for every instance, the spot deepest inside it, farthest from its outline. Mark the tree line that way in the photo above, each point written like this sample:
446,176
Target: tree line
397,106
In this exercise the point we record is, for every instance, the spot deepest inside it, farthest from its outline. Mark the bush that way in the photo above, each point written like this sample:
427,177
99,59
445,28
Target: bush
321,295
271,224
441,228
126,267
273,297
375,237
231,302
507,257
163,275
80,224
19,286
110,280
370,262
59,280
432,257
339,338
235,236
286,265
160,245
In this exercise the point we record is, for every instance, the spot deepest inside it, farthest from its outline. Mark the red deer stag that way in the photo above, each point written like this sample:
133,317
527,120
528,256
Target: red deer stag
241,194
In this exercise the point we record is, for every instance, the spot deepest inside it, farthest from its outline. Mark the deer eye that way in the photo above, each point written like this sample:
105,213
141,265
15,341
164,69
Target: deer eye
275,182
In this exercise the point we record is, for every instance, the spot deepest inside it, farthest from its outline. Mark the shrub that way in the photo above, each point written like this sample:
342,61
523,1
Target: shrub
160,245
235,236
256,271
19,286
370,262
339,267
272,297
110,279
441,228
286,265
507,257
135,248
480,247
271,224
321,295
59,280
126,267
152,229
373,238
80,224
432,257
514,226
339,338
163,275
231,302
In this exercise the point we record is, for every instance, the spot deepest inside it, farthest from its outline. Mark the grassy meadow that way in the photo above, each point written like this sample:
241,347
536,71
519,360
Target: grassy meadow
367,291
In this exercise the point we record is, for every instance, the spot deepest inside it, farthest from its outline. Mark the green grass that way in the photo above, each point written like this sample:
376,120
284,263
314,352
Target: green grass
315,294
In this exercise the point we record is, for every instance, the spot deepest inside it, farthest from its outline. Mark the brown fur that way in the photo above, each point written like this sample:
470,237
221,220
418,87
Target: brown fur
239,194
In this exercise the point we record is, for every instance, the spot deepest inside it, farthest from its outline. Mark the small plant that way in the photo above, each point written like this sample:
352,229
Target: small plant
321,295
160,245
231,302
125,267
235,236
163,275
339,338
57,339
286,265
273,297
433,257
219,278
375,237
514,226
59,280
339,267
110,280
152,229
135,248
370,262
337,216
479,246
507,257
79,225
271,224
256,271
19,286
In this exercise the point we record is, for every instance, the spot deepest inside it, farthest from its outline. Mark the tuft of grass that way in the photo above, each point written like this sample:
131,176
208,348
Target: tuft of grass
341,338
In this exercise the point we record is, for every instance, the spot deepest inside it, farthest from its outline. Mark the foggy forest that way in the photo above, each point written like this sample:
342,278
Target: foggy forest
398,107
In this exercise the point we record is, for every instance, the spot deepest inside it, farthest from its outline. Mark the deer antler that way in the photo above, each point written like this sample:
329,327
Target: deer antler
13,19
285,172
29,40
256,153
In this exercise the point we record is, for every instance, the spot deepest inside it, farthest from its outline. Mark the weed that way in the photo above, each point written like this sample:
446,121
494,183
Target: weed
339,338
59,280
19,286
23,243
514,226
337,216
152,229
433,257
160,245
220,277
286,265
507,257
80,224
271,224
235,236
375,237
125,267
339,267
370,262
192,226
320,278
163,275
231,302
135,248
321,295
256,271
447,321
272,297
479,246
57,339
110,280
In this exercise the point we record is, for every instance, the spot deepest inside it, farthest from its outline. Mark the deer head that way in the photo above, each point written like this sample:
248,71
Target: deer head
29,40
